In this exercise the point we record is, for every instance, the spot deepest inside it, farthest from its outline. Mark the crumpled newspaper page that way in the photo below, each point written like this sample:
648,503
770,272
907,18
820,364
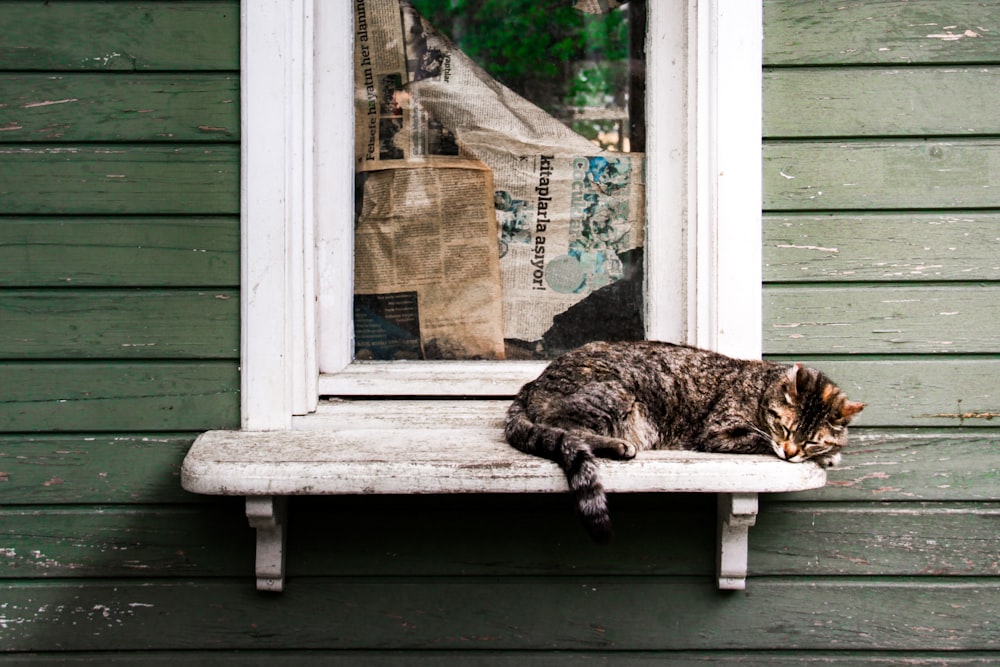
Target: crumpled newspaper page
436,136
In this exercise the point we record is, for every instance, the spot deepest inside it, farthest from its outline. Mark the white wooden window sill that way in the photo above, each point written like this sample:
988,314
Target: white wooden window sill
420,447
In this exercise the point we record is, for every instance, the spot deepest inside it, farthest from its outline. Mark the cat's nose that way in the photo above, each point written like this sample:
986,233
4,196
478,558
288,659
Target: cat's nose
791,449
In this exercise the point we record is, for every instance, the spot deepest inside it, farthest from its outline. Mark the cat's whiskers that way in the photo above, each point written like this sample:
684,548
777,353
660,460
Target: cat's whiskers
778,449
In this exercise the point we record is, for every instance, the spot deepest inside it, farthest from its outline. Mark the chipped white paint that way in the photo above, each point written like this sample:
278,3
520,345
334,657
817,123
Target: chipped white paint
949,36
47,103
396,447
105,59
807,247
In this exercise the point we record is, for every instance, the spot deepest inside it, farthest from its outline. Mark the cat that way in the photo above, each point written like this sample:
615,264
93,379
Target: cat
613,400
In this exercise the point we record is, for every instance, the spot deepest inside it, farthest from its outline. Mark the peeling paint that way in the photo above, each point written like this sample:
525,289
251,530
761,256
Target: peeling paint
46,103
807,247
949,36
963,415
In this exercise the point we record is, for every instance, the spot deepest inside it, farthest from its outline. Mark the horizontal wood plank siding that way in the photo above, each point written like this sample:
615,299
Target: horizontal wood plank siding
916,464
119,36
120,324
118,395
881,239
120,179
588,657
92,468
903,319
161,251
96,107
880,32
515,613
882,247
883,101
119,295
119,285
881,174
506,536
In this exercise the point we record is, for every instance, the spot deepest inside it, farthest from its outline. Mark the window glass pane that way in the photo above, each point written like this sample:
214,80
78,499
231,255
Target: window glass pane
499,177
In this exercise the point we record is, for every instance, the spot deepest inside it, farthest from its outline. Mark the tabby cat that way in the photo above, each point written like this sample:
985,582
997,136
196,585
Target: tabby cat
612,400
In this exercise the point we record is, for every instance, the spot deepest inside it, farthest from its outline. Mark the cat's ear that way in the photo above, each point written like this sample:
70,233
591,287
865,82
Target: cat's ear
795,378
851,408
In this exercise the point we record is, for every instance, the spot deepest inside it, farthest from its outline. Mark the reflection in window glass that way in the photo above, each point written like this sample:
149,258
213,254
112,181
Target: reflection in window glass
498,149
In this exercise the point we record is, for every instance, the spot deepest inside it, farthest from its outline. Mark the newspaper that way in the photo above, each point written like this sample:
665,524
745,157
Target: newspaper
567,216
425,242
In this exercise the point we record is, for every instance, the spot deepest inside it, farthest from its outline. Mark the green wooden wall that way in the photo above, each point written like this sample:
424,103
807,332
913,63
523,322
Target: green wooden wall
882,266
119,303
119,246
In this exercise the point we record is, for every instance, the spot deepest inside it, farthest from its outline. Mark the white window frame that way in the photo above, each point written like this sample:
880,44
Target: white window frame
703,275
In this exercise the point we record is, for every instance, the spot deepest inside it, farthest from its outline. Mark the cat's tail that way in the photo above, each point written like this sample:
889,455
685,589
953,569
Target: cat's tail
573,454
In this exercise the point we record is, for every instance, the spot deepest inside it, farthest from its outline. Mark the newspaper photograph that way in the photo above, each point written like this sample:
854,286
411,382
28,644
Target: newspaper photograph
436,136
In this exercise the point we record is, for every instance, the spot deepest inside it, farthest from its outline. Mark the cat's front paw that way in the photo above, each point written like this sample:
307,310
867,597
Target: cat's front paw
628,451
613,448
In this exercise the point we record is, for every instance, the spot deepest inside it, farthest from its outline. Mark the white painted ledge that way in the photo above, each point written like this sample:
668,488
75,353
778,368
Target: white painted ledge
424,447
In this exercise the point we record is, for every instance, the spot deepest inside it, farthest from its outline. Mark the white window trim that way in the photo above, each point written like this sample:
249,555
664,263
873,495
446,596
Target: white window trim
297,169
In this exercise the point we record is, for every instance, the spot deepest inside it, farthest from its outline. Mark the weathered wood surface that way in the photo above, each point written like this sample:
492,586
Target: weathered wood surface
449,460
121,542
904,391
898,247
852,102
924,464
535,537
888,32
864,539
542,658
96,107
881,319
145,468
522,613
405,537
334,413
904,174
119,251
119,324
93,468
118,396
119,179
430,378
119,36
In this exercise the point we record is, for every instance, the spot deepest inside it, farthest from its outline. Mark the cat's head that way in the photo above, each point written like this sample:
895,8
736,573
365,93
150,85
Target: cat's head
806,416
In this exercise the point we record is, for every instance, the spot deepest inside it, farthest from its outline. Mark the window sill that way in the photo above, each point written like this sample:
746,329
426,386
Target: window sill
418,447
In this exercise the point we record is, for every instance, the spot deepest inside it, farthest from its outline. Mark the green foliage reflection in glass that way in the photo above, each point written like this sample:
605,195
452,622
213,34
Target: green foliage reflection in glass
561,59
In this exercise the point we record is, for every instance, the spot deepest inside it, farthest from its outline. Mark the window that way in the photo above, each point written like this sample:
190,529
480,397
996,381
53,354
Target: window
702,278
500,206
